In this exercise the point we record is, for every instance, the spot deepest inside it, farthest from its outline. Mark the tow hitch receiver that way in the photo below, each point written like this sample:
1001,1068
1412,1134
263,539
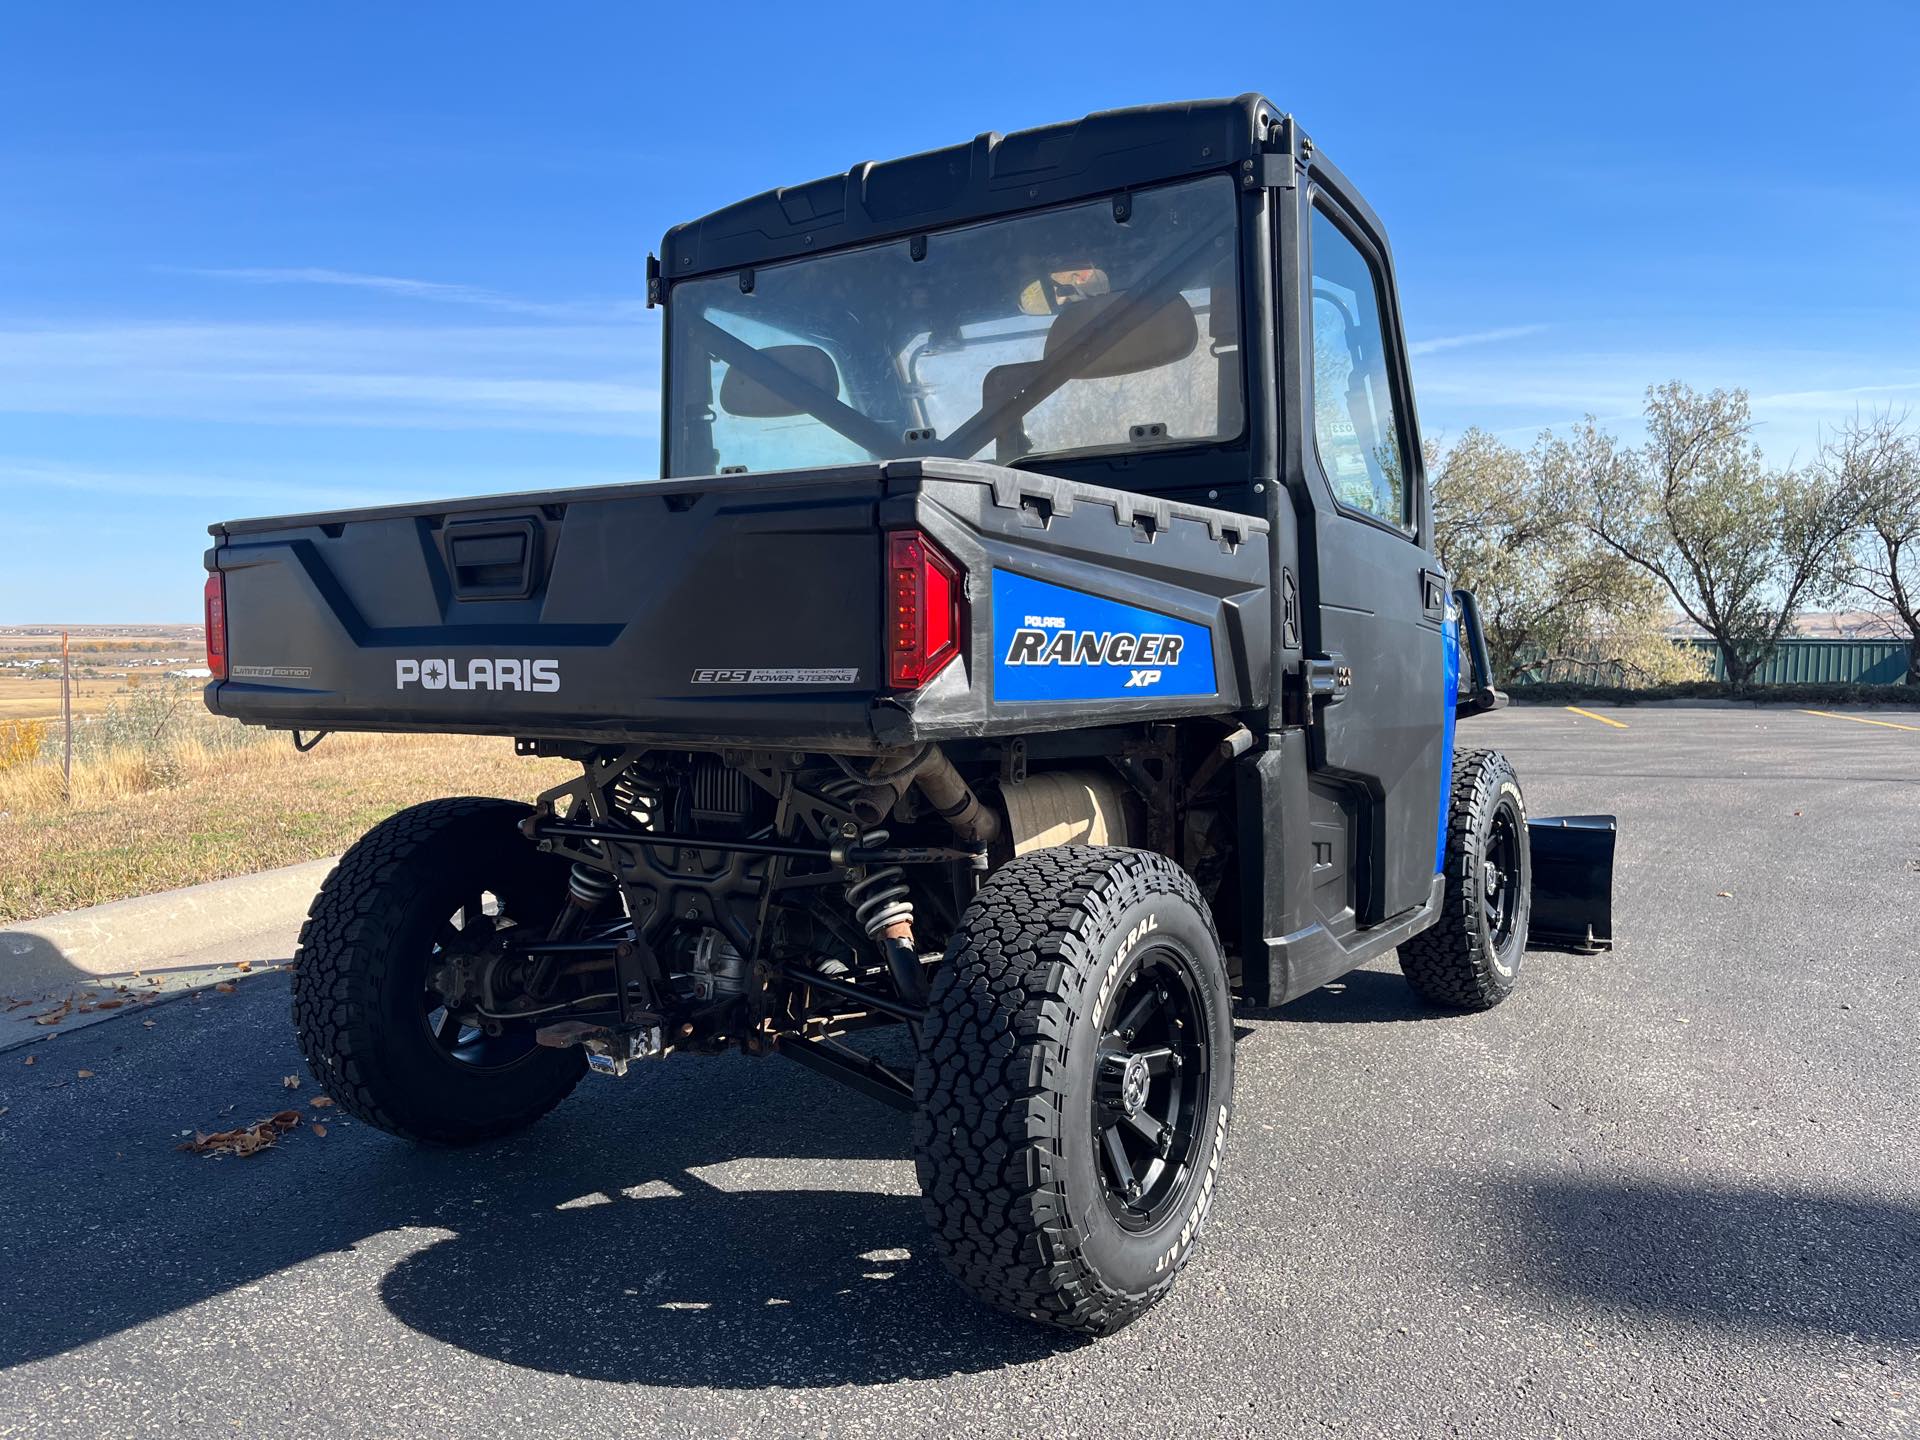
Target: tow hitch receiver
610,1048
1572,883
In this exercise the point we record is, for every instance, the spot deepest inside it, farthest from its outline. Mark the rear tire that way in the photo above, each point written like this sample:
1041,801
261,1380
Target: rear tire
1470,958
361,1004
1083,1009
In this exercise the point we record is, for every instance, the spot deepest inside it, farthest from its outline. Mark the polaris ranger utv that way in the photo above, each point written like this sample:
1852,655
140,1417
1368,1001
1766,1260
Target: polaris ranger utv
1036,641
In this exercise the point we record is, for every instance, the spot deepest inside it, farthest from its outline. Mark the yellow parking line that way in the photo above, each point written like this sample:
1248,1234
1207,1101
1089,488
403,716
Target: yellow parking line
1862,720
1616,724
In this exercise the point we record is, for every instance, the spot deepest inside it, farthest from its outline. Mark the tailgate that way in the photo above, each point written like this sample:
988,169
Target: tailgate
729,608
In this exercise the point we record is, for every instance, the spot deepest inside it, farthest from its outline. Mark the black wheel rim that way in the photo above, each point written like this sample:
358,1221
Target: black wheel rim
1500,877
1151,1079
461,1036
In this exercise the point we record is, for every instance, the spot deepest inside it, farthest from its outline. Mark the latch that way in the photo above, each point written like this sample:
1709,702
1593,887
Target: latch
493,559
1327,678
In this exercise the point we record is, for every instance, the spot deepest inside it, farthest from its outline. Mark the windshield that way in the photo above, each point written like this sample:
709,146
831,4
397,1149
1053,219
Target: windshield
1109,325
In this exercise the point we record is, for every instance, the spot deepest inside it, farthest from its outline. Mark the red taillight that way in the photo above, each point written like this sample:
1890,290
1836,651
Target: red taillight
216,594
923,610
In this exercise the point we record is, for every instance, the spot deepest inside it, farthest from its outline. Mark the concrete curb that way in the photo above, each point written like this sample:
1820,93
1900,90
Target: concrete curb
150,930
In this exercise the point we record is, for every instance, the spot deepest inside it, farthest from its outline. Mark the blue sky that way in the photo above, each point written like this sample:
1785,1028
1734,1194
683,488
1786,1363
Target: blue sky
259,258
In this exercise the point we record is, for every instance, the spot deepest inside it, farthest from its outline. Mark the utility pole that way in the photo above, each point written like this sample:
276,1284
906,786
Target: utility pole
66,716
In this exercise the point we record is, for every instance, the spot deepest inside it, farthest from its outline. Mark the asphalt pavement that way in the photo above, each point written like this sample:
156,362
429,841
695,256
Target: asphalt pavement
1674,1190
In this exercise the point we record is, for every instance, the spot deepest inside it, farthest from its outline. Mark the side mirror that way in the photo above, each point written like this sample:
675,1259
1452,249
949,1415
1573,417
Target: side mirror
1482,697
744,395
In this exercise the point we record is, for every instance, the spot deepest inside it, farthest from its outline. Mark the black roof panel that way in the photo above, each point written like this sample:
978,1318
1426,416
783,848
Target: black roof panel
1104,152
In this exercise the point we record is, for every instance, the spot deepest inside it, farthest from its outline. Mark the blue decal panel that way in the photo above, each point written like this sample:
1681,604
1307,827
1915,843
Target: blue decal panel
1052,643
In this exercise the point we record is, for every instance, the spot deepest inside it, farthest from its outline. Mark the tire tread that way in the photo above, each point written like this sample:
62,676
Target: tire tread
1444,962
988,1127
341,962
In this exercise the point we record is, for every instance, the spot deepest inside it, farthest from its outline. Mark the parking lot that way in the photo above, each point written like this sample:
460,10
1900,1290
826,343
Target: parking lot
1674,1190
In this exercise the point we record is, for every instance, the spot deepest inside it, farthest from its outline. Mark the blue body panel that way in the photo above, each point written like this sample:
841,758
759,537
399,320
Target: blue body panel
1052,643
1450,658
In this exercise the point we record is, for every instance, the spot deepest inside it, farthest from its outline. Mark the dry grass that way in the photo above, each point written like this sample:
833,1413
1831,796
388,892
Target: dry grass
39,698
201,808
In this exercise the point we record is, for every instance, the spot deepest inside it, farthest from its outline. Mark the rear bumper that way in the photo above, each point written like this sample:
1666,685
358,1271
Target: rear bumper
1572,883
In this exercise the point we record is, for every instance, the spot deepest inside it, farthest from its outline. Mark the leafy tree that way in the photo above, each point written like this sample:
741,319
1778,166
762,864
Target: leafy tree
1741,548
1877,460
1510,527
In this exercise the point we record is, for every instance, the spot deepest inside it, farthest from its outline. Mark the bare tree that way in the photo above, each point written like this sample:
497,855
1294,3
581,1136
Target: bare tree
1510,527
1877,460
1741,548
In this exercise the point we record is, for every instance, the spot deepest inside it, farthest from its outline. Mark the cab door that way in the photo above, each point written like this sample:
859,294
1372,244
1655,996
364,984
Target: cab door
1375,600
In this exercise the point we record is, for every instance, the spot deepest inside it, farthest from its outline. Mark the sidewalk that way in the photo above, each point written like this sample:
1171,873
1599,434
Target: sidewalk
69,970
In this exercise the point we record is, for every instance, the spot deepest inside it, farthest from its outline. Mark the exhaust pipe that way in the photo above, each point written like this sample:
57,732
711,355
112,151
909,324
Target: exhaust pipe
953,799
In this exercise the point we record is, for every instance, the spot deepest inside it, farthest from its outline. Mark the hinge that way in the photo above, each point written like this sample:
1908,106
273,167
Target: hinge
1273,170
1273,166
653,280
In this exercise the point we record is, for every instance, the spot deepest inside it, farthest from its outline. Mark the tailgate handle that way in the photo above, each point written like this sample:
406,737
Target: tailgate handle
492,559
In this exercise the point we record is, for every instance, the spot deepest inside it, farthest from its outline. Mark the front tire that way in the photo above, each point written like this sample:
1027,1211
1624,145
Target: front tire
363,1007
1074,1085
1469,959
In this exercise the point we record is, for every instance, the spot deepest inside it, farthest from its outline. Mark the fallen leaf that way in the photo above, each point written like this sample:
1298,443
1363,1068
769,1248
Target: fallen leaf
1723,894
321,1102
55,1015
109,1004
225,987
149,1024
85,1074
292,1082
244,966
244,1140
317,1128
28,1061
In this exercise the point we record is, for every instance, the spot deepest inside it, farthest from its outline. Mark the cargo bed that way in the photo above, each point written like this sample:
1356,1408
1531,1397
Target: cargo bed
742,609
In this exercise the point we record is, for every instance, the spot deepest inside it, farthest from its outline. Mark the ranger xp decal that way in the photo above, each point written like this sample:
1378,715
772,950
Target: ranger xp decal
1052,643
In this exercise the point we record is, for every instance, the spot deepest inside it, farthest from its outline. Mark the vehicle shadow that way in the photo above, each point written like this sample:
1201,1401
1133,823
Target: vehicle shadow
1357,998
1742,1259
729,1222
748,1264
706,1287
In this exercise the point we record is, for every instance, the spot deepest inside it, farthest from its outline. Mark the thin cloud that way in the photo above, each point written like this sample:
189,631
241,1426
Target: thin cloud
1835,399
1476,337
405,288
307,488
1516,397
598,380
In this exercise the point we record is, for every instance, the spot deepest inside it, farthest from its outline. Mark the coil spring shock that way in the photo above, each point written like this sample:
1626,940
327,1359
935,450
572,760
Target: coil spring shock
589,887
880,897
633,799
